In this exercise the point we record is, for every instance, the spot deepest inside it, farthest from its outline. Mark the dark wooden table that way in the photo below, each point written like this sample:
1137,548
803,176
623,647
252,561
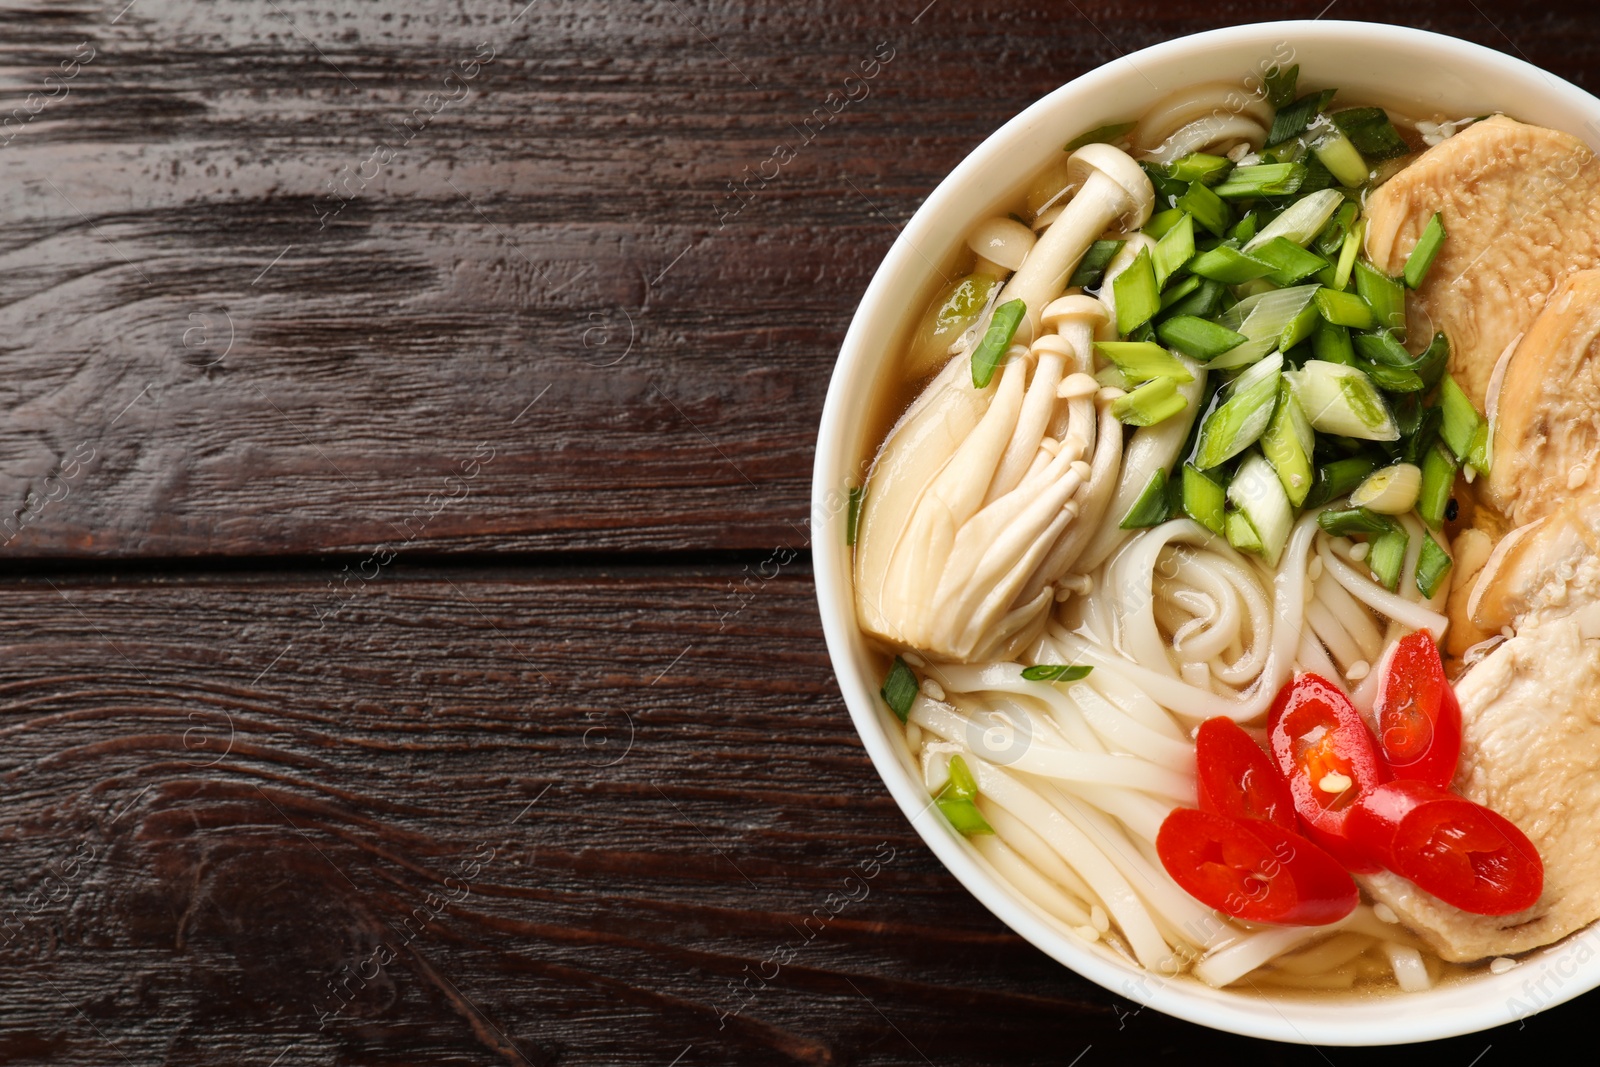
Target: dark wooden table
410,654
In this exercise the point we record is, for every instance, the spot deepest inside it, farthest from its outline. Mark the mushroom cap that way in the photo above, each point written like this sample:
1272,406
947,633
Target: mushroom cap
1074,306
1002,240
1121,169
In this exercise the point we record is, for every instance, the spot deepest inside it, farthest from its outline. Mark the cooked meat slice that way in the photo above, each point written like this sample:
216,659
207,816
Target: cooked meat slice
1550,566
1521,206
1547,432
1531,758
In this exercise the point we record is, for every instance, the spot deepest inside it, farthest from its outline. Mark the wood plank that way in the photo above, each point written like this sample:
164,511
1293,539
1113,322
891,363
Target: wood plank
224,824
233,323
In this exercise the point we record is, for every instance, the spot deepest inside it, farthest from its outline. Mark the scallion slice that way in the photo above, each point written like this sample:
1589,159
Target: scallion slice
1287,443
964,815
1279,82
1205,300
1241,534
1370,130
1386,296
1338,154
1338,478
1137,296
1343,522
1197,338
1150,508
1155,401
1289,261
1178,290
1174,249
1390,491
1332,344
1386,555
1393,379
1262,319
1161,222
1106,134
1204,499
1422,253
899,689
1200,167
1331,237
1261,179
1140,361
1430,365
1245,228
961,785
1433,564
1258,494
1092,267
992,349
1243,417
1292,119
1438,481
1302,220
1208,209
1459,428
1228,265
1342,400
1056,672
1345,309
1382,348
1347,253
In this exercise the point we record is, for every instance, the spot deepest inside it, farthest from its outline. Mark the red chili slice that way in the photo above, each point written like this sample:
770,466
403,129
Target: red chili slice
1463,853
1419,721
1254,870
1329,758
1238,779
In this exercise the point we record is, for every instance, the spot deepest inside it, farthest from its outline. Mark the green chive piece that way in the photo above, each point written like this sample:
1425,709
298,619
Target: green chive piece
1150,508
1433,563
1386,296
1347,254
1241,534
1461,419
1331,238
962,785
1140,361
899,689
1178,290
1382,348
1228,265
1422,253
1136,293
1386,555
992,349
1343,522
1301,327
1336,152
1280,85
1200,167
1345,309
1438,481
853,514
1292,119
1055,672
1261,179
1161,222
1238,422
1478,451
1197,338
1106,134
1208,209
1332,343
1339,478
1431,364
1392,379
1174,249
1155,401
1204,301
1204,499
1287,443
1289,260
1370,130
1245,228
1092,267
964,815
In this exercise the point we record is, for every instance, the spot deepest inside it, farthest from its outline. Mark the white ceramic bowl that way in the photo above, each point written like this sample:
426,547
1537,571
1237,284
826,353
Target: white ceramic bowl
1365,61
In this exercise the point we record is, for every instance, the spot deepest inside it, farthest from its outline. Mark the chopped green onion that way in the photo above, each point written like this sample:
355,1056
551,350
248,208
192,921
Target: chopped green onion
1392,379
1422,253
899,689
1419,428
1228,265
1289,261
1204,499
853,514
1386,296
1332,344
1390,491
1150,508
1204,301
1092,267
1383,348
1136,294
1461,420
1178,290
1106,134
1162,221
964,814
1197,338
1245,228
1300,327
1478,451
1208,209
1257,493
1347,253
1342,522
1342,400
1438,481
1335,152
1370,130
1241,534
992,349
1331,237
1140,361
1199,167
1280,85
1386,555
1433,563
1338,478
961,785
1301,221
1055,672
1287,443
1261,179
1430,365
1236,424
1155,401
1174,249
1345,309
1292,119
1262,319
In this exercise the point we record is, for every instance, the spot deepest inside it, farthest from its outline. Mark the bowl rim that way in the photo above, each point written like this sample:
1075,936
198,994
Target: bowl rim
1297,1020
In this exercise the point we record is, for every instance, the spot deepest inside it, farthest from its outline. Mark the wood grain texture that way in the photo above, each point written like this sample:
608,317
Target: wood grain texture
277,269
215,807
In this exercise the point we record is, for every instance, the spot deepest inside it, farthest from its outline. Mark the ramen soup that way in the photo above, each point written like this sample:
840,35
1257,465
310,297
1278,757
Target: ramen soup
1235,551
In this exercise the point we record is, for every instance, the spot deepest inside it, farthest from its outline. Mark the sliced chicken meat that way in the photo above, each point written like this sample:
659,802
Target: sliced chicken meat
1521,205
